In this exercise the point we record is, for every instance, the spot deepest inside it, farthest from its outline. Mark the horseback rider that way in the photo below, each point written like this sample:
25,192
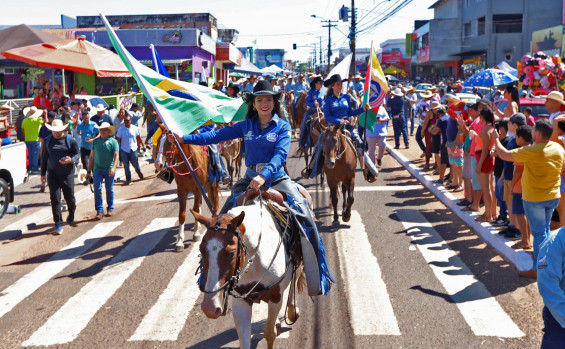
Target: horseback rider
267,140
337,110
300,87
313,102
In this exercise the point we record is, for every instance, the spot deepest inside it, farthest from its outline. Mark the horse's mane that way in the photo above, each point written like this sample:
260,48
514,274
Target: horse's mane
197,157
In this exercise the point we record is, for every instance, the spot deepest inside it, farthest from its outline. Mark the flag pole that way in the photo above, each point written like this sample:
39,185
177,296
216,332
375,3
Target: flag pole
141,83
368,83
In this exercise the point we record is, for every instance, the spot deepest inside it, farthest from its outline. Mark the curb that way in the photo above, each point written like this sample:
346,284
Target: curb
21,226
520,258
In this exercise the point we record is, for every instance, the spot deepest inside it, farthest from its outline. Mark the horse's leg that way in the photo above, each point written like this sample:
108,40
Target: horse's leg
242,318
230,170
270,331
196,207
181,193
292,310
333,196
347,211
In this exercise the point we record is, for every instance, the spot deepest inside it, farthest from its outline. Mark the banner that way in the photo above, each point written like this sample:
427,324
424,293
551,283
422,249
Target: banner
376,88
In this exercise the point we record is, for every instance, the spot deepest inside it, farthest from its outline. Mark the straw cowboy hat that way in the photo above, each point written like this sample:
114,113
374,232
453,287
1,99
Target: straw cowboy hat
451,98
32,112
357,76
427,94
6,107
397,92
556,96
100,107
436,105
108,126
82,175
411,88
57,126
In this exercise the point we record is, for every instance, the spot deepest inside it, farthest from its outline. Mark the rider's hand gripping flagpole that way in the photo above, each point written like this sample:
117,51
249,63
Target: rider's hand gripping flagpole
142,84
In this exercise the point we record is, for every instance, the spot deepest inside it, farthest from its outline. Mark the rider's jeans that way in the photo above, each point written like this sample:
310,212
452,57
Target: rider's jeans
99,176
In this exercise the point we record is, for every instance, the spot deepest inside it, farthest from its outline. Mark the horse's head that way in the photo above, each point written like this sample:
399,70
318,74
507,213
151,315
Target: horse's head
333,145
164,153
222,257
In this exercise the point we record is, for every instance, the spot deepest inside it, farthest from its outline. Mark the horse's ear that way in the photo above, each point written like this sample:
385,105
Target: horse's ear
207,221
236,221
336,127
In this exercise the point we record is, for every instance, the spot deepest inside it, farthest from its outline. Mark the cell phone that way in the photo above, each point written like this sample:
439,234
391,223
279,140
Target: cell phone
63,158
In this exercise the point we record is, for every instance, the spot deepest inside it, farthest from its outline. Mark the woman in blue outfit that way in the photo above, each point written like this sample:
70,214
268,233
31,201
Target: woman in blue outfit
337,110
267,140
313,101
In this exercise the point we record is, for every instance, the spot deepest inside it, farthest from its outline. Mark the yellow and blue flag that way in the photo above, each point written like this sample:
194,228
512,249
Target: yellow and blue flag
376,88
182,106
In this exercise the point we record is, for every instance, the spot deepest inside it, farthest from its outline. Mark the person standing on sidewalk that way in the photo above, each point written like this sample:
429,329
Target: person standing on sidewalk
102,163
396,105
60,154
87,131
543,163
411,99
130,142
149,117
135,114
34,118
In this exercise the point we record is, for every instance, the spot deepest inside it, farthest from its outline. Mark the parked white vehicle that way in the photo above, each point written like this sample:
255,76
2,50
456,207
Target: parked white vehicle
13,172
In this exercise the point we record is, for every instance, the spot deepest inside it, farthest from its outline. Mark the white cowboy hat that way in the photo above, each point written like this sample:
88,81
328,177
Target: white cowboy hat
450,97
100,107
397,92
357,76
427,94
436,105
32,112
556,96
108,126
82,175
57,126
6,107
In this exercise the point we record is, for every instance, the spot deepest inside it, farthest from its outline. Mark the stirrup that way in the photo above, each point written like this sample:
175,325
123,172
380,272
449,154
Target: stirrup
306,173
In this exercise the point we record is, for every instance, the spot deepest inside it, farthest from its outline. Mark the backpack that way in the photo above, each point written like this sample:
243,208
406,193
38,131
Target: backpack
68,139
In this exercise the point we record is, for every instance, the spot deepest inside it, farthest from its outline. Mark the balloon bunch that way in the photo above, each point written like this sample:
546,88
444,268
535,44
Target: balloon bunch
458,108
541,73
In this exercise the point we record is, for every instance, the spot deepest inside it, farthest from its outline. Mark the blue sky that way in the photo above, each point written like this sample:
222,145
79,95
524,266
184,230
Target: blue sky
273,24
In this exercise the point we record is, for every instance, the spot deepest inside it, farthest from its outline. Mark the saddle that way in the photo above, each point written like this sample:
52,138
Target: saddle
269,194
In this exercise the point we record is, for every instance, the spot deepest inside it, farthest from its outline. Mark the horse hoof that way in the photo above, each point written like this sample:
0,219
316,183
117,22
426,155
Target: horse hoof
278,328
196,237
346,218
179,249
335,222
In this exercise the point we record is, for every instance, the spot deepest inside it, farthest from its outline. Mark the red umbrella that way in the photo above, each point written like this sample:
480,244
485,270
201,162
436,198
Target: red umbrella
77,55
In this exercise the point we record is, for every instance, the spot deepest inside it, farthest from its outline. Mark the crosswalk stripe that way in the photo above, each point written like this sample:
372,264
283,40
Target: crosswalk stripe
166,319
30,282
66,324
368,300
480,309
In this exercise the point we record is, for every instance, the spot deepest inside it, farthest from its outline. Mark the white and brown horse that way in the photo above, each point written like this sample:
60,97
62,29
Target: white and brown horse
246,259
169,154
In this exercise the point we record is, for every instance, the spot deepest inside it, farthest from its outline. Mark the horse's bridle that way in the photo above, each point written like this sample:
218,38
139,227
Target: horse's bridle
341,140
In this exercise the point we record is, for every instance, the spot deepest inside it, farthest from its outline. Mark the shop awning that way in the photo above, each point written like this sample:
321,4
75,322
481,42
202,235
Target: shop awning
247,67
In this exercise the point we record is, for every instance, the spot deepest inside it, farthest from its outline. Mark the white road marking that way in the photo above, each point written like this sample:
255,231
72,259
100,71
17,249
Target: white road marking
477,305
369,304
373,188
67,323
30,282
166,319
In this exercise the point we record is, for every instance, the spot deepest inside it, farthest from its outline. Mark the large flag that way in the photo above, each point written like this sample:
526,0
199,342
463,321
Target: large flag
376,88
342,68
182,106
158,66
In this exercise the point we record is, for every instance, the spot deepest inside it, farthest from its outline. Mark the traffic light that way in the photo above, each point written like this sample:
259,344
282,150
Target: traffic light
294,46
344,13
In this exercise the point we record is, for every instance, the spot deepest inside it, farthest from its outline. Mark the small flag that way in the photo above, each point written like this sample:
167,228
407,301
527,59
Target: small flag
376,88
158,66
182,106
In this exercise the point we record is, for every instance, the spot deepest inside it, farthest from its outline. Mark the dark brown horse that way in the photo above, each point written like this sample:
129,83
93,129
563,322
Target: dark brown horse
186,183
339,166
300,110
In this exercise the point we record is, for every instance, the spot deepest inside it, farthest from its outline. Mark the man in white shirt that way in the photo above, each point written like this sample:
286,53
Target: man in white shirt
130,141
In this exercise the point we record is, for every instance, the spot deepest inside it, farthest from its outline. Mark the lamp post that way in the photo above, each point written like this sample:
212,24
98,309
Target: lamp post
329,25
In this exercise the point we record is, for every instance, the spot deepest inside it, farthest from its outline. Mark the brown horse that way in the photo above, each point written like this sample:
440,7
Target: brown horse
231,152
300,110
339,166
186,183
289,98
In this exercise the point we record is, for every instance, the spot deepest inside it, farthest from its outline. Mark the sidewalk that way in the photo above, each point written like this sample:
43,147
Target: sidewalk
410,159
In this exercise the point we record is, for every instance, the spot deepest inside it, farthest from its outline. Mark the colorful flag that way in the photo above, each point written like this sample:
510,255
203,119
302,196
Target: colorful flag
182,106
376,88
158,66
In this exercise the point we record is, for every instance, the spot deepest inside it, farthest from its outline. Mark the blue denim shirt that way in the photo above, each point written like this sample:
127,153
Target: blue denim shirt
300,87
87,131
551,274
337,109
269,146
358,86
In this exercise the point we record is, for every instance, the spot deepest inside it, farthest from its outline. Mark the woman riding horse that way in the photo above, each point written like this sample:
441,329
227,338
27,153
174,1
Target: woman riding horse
313,101
267,140
337,110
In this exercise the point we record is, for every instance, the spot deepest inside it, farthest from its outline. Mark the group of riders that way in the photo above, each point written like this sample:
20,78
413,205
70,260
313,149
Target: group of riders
266,139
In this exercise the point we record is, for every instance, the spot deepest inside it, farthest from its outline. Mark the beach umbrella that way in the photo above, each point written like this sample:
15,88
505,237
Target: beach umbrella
490,77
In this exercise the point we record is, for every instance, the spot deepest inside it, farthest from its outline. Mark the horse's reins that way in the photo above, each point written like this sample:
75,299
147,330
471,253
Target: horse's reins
342,140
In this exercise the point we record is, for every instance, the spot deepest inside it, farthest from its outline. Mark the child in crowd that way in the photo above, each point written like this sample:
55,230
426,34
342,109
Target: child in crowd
377,138
467,171
502,219
523,138
530,121
440,130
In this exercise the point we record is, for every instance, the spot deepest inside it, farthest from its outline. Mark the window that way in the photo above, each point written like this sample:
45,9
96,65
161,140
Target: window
507,23
467,30
481,26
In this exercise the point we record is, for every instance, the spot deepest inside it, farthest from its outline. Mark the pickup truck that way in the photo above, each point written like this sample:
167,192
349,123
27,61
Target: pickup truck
13,172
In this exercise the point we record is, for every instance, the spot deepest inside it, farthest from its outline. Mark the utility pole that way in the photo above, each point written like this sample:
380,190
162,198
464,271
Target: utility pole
329,26
352,33
320,51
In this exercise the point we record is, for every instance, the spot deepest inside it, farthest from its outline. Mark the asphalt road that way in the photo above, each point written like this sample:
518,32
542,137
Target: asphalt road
408,272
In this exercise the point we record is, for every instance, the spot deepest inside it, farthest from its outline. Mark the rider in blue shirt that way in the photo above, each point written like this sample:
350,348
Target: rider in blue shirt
267,142
337,110
357,85
313,102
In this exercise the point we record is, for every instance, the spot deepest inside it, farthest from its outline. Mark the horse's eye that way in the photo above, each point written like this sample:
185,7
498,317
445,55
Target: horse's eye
232,253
